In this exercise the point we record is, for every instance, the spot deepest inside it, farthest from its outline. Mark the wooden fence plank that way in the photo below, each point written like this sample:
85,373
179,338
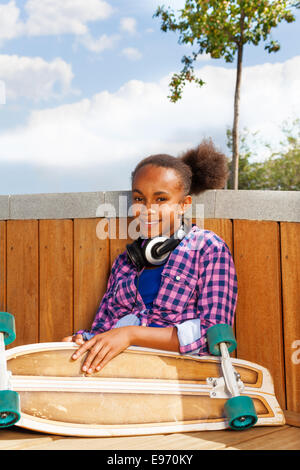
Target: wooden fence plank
117,229
56,279
223,228
2,265
22,279
259,310
292,418
290,255
91,271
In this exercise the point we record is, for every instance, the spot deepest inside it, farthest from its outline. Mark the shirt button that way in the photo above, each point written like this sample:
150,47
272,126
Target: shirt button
177,278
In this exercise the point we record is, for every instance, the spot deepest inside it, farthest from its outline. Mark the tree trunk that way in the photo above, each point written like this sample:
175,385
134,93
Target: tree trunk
236,114
235,129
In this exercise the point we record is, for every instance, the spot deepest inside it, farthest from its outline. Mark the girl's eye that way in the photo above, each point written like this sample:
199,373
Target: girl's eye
161,199
141,199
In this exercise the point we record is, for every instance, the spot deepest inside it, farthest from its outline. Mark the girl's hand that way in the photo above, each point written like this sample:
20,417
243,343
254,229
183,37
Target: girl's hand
103,347
75,339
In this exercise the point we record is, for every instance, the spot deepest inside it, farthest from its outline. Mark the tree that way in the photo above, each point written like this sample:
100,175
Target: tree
222,28
280,170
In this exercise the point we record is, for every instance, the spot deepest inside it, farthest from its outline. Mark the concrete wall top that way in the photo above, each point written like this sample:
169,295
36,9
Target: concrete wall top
220,204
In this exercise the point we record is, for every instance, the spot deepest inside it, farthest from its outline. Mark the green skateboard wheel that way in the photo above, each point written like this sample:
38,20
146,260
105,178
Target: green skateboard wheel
9,408
220,333
7,326
240,412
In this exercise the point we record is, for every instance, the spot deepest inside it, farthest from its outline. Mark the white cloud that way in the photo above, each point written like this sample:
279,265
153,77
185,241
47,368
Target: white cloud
100,44
131,53
138,120
10,24
173,4
34,78
128,25
2,92
203,57
51,17
275,88
61,17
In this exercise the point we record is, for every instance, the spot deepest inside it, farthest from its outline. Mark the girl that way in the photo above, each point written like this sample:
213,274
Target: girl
166,306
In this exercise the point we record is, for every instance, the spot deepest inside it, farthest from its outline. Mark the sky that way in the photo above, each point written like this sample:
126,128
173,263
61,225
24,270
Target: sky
84,86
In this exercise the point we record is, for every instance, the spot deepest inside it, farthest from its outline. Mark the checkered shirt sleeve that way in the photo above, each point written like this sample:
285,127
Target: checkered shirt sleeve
217,295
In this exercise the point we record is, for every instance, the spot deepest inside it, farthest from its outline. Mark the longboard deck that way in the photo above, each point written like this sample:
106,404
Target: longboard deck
140,391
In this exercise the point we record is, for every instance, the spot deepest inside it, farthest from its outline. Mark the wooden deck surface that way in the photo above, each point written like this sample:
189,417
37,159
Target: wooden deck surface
260,438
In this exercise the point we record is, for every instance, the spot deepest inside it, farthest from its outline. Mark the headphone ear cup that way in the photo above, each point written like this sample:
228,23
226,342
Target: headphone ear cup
159,248
135,254
154,251
150,251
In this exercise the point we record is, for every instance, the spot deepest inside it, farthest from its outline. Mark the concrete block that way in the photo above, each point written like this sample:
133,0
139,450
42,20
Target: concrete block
4,207
258,205
117,204
225,204
55,206
204,203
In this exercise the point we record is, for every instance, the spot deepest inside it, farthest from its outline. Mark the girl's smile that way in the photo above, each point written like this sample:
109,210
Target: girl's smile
159,200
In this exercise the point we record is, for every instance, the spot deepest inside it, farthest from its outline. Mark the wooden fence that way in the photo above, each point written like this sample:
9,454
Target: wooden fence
53,274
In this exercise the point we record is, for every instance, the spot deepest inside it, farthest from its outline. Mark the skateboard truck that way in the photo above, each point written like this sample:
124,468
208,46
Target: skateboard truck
9,400
230,384
239,409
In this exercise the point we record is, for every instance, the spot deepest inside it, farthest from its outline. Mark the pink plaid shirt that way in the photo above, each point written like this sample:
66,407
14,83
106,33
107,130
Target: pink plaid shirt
198,281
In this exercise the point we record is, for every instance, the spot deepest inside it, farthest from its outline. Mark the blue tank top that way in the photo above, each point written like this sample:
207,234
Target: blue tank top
149,283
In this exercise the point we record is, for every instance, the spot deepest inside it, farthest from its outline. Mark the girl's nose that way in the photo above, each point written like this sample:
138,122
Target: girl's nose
152,212
149,208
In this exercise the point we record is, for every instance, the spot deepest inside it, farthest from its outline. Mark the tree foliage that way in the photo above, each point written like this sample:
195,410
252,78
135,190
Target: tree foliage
219,28
222,28
279,171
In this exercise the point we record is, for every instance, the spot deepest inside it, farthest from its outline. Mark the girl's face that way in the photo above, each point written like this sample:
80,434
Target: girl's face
159,201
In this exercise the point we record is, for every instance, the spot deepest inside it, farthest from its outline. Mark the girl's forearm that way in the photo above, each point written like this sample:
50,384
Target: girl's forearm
156,338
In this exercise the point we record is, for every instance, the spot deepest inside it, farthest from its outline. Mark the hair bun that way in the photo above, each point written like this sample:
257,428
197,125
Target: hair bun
208,165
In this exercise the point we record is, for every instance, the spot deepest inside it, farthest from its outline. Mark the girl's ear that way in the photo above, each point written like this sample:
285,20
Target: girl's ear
185,205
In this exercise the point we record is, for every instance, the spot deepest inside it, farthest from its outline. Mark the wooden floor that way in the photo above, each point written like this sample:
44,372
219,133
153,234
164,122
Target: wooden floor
260,438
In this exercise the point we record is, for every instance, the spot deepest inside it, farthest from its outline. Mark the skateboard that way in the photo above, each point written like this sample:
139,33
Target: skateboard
140,391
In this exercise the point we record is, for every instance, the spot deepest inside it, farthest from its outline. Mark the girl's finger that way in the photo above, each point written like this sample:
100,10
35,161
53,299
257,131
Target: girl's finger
68,339
78,339
91,356
109,356
95,365
85,347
